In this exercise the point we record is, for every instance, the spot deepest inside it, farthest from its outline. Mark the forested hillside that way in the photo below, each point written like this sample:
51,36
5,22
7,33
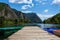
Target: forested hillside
10,16
53,20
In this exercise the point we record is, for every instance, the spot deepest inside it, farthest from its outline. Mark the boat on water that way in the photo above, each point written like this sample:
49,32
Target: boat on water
50,30
56,32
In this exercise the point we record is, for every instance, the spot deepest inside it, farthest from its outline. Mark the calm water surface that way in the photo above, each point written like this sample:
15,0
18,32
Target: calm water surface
49,25
7,31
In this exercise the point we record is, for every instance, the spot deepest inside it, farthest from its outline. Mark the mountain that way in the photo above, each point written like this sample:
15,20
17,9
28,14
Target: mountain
22,16
33,18
7,12
28,17
53,20
12,16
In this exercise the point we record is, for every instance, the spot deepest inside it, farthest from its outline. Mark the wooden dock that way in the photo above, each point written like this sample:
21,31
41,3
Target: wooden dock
32,33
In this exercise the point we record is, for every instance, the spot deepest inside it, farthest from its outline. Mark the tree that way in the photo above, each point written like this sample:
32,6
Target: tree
1,20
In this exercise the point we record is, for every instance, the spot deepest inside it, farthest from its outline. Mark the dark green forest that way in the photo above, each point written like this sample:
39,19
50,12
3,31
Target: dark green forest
53,20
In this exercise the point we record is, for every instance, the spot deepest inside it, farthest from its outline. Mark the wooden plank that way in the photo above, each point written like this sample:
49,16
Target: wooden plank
32,33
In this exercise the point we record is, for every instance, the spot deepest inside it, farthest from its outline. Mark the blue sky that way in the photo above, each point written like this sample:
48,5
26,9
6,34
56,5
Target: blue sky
43,8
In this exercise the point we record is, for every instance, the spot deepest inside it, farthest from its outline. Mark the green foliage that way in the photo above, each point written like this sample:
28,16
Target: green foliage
2,6
12,16
53,20
8,22
1,21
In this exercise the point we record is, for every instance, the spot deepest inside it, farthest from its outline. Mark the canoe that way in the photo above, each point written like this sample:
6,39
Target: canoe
56,32
50,30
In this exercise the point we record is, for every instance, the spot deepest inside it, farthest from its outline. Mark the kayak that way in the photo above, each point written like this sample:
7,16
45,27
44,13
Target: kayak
50,30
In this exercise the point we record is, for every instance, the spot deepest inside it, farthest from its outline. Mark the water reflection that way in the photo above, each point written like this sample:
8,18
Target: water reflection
49,25
7,31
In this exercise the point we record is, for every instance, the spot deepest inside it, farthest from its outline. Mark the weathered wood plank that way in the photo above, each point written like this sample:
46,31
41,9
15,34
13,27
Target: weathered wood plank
32,33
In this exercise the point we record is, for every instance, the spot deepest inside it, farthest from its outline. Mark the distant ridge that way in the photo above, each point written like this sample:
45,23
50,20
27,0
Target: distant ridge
33,18
13,16
53,20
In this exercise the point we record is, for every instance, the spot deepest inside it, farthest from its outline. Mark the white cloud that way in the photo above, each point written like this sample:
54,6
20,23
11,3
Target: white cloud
43,2
43,17
26,11
46,10
26,7
32,4
21,1
28,2
38,1
12,1
55,1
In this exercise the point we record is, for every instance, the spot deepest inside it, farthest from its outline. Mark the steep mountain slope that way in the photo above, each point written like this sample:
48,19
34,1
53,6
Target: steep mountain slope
22,16
33,18
53,20
7,12
12,16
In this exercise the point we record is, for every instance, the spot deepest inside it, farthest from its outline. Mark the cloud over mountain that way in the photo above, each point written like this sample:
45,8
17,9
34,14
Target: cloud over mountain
28,2
21,1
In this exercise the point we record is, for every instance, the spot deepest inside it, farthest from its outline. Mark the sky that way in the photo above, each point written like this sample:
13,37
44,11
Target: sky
43,8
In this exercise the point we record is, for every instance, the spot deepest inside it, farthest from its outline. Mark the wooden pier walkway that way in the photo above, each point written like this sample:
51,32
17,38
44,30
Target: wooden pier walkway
32,33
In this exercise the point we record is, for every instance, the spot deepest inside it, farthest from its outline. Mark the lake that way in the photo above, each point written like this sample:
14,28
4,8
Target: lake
7,31
49,27
44,25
